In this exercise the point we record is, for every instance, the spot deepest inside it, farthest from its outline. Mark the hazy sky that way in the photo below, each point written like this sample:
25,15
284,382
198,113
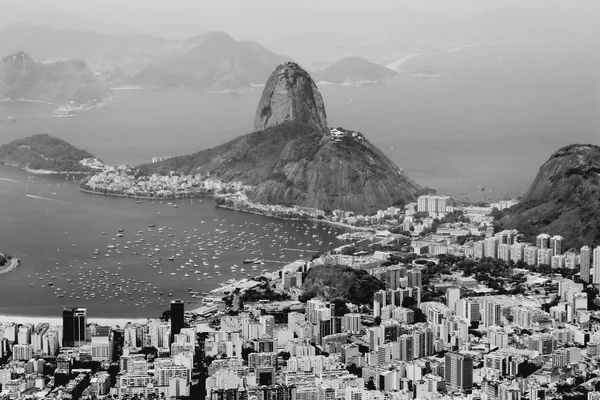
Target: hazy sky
177,17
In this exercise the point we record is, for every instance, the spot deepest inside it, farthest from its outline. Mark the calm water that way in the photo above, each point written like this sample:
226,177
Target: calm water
496,117
55,229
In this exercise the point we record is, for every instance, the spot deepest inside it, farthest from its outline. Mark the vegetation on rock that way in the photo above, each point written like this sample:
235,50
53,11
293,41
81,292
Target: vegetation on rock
332,282
44,152
564,199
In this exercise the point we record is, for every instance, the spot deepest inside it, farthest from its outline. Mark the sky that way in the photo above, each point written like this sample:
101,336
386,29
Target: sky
178,18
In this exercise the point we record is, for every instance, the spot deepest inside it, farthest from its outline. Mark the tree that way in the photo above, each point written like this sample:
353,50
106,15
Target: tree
353,369
166,315
146,351
408,302
209,359
370,385
377,320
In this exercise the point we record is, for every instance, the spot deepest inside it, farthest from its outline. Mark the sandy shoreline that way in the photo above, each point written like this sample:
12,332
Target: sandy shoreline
398,63
113,322
44,171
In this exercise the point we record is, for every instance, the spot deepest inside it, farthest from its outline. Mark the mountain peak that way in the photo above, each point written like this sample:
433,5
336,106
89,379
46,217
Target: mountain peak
18,57
290,94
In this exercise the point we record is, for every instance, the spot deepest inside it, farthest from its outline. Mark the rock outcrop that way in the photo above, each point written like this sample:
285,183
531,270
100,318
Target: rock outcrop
292,158
293,163
58,82
290,94
564,198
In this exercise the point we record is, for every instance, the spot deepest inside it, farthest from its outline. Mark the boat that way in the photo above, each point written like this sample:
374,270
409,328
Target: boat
65,111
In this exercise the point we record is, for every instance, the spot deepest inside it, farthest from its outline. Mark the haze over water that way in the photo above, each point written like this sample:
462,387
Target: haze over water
490,123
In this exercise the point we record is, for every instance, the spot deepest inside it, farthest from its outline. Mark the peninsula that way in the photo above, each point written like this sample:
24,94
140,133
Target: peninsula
292,159
45,154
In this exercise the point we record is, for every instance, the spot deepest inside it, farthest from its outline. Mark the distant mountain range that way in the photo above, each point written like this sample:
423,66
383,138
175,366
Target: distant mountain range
62,82
215,61
212,61
334,32
354,70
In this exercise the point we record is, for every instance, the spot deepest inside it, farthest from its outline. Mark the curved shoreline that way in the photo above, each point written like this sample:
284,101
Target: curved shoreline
339,224
14,263
131,196
83,108
44,171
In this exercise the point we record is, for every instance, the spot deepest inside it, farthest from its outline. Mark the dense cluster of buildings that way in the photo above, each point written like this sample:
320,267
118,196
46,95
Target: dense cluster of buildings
124,182
421,337
79,360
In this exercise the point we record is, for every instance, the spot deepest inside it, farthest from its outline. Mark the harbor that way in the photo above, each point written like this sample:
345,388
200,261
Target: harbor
128,257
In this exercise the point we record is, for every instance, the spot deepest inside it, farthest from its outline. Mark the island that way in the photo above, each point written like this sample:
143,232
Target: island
45,154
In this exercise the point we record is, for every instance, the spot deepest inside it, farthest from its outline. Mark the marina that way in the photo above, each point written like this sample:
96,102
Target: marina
122,258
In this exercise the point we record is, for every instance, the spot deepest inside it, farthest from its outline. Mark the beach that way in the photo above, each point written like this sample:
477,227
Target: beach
112,322
398,63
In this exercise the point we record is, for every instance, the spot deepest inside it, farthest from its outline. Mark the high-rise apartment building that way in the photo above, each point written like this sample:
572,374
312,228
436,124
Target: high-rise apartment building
585,256
596,264
177,321
478,249
543,241
530,255
557,244
504,252
516,252
102,345
452,297
491,247
74,326
433,203
458,371
414,277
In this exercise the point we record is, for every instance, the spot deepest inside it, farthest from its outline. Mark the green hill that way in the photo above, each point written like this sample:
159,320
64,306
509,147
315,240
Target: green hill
44,152
564,198
294,163
340,282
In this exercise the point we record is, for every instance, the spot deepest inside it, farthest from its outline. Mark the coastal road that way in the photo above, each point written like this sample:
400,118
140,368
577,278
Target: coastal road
14,263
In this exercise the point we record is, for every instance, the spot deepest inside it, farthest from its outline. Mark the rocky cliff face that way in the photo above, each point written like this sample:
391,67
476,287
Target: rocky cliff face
290,94
292,159
293,163
563,199
60,82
